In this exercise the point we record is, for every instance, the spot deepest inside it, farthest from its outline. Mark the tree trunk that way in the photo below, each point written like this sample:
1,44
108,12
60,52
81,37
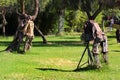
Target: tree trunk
33,17
4,30
94,15
103,24
61,23
4,22
15,44
41,34
98,11
22,2
24,19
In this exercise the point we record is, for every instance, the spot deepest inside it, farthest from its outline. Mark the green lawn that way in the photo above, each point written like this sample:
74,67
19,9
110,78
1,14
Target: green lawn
56,60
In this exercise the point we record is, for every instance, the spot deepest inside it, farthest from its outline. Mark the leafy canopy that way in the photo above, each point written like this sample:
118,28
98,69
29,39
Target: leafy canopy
6,3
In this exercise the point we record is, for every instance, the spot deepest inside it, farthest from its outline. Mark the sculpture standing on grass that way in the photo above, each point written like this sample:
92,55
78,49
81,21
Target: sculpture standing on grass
25,29
92,31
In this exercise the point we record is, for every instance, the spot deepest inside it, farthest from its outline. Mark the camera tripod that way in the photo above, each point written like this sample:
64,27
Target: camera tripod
90,59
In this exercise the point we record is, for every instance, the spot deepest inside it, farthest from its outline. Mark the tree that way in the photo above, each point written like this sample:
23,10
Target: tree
94,7
87,6
25,20
60,9
4,5
4,22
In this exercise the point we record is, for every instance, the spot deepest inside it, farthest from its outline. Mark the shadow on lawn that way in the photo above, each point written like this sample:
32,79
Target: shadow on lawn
111,36
2,51
58,43
50,43
60,70
115,50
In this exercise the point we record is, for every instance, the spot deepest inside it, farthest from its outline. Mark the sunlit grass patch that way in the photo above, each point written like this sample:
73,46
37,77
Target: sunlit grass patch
57,60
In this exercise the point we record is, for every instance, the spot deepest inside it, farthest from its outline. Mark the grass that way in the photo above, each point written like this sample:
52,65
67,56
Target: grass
56,61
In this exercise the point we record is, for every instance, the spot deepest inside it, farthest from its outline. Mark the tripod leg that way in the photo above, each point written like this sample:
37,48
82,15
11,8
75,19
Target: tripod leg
90,57
82,56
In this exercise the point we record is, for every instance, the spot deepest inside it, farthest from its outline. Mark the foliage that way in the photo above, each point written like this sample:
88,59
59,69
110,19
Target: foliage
75,20
49,11
89,5
72,4
43,4
94,7
112,12
99,18
47,18
5,3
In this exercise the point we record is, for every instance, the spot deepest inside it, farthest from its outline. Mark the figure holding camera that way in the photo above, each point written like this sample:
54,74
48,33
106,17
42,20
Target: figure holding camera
92,31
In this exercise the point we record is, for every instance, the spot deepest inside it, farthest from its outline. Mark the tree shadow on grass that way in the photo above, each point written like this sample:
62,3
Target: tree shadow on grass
2,51
111,36
50,43
4,43
52,69
61,70
115,50
58,43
